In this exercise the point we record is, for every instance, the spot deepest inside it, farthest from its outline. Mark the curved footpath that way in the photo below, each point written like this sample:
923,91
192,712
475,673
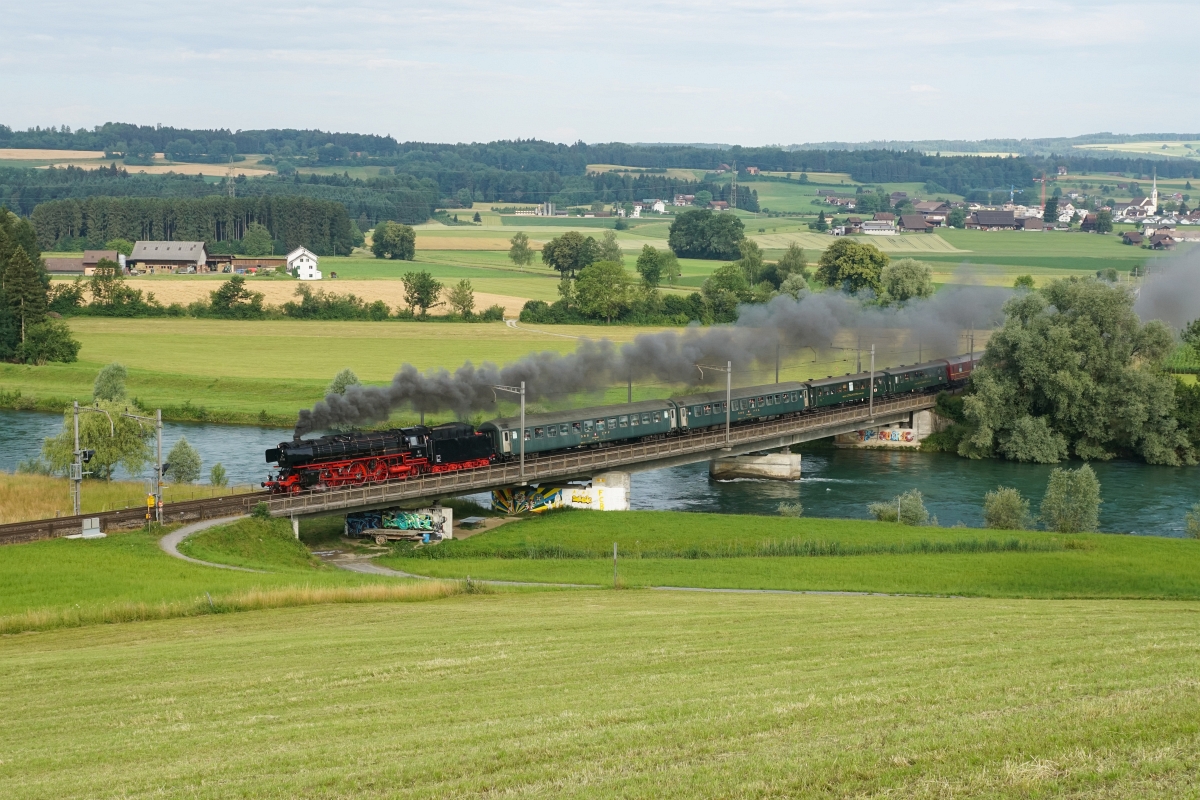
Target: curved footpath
169,544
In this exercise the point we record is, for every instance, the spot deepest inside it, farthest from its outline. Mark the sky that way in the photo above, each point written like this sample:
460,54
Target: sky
750,73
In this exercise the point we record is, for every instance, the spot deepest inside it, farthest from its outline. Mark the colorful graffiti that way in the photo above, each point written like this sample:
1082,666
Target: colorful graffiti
431,521
887,435
535,498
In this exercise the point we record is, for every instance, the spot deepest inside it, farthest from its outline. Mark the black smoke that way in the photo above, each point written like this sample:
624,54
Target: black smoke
787,326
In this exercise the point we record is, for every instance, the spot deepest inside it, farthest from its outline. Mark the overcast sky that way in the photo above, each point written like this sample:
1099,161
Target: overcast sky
758,72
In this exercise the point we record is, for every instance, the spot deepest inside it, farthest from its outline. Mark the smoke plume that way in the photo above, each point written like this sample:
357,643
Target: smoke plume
785,325
1171,292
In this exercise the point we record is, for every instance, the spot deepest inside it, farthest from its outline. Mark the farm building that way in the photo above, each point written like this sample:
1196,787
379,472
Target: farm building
915,222
85,265
166,257
992,221
303,263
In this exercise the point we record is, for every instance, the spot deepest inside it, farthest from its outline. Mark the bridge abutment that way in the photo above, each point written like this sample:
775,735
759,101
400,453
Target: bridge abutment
897,436
783,466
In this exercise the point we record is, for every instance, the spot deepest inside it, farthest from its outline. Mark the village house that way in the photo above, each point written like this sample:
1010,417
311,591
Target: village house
168,257
1132,237
884,216
897,197
1088,223
718,205
1162,241
853,225
983,220
751,170
1030,224
915,222
303,263
684,199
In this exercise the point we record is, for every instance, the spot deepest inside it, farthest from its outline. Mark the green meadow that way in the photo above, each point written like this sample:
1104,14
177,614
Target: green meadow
720,551
128,680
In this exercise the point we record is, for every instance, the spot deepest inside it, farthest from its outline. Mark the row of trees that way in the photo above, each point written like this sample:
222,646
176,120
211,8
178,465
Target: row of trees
321,226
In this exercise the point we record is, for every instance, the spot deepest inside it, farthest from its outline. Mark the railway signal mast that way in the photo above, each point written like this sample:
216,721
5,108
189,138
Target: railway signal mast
159,466
83,456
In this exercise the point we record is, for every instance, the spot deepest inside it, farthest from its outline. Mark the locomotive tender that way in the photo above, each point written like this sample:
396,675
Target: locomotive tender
331,462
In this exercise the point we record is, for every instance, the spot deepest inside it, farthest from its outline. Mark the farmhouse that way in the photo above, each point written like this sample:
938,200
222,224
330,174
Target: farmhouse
167,257
1162,241
983,220
303,263
684,199
751,170
1132,237
1088,224
1030,224
884,216
718,205
85,265
915,222
879,227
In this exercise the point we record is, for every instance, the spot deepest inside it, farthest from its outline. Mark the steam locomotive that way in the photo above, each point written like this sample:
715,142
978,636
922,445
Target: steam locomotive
332,462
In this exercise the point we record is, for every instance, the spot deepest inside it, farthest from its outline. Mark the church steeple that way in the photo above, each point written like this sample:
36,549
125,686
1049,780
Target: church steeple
1154,193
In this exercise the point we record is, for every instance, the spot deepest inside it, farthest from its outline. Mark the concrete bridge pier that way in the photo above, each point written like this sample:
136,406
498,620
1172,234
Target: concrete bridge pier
783,466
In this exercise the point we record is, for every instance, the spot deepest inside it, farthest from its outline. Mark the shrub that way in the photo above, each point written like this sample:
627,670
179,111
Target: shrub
217,476
1072,501
1192,518
791,509
493,314
341,381
261,511
48,341
1005,510
907,509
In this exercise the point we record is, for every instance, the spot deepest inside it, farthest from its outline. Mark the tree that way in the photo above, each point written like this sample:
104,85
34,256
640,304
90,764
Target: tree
395,241
122,246
126,443
217,476
569,253
24,291
1073,370
461,298
821,225
1006,510
110,382
1191,334
342,381
48,341
602,289
792,263
649,265
1050,212
1072,501
183,463
751,261
794,285
257,241
1023,282
421,291
1104,222
234,301
702,198
477,218
520,253
609,249
904,280
851,265
699,233
566,290
957,218
670,266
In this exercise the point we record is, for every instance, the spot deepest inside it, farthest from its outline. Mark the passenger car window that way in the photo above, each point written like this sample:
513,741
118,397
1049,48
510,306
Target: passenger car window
552,430
562,429
587,425
645,419
633,419
612,423
656,418
624,420
537,433
599,425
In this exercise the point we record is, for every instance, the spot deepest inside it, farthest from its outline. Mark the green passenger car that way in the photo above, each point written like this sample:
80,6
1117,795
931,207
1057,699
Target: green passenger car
562,430
845,389
916,378
748,402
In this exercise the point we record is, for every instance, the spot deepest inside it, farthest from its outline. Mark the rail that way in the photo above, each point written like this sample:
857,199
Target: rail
576,463
183,511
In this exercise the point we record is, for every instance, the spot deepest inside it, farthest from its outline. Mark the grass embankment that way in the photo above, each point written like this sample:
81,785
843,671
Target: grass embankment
747,552
126,578
614,694
27,497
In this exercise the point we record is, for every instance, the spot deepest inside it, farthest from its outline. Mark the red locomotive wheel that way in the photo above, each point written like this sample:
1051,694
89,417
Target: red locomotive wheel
358,473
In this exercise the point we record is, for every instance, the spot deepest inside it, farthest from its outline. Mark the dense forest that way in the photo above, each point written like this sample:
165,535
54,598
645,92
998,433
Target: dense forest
320,225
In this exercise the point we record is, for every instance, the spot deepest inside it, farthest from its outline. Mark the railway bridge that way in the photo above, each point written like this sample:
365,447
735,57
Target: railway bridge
688,448
580,464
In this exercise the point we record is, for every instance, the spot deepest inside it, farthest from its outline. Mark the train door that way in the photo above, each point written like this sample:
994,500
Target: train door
683,417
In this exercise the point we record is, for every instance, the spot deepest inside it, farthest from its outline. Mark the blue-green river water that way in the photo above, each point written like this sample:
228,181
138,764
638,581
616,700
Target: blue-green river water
836,483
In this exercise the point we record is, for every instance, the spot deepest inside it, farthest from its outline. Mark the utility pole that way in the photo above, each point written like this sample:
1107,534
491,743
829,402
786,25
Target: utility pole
521,433
81,457
872,400
777,362
158,472
858,355
728,370
733,188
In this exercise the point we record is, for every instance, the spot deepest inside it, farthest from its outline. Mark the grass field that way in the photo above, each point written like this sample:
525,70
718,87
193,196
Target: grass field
25,497
717,551
613,694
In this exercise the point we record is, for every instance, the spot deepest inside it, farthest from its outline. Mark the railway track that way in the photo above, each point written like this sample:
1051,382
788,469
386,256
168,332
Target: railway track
184,511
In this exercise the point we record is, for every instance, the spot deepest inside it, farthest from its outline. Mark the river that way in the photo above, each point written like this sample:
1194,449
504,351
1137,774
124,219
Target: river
836,483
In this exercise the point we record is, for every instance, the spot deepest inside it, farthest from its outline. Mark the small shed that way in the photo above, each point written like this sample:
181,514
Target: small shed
303,263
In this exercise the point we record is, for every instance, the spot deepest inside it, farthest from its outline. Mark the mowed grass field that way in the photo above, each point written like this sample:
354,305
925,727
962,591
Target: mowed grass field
613,694
571,693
